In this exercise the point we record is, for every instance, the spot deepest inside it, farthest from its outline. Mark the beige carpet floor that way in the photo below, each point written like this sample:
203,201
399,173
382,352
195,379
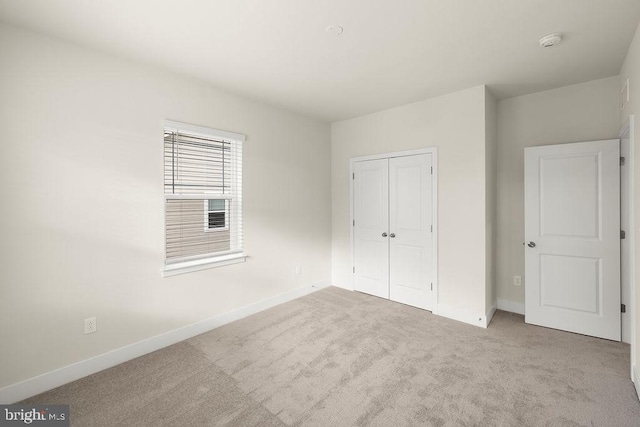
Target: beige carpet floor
340,358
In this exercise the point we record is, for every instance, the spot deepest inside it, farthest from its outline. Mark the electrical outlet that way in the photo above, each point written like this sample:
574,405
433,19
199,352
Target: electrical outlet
517,280
90,325
298,270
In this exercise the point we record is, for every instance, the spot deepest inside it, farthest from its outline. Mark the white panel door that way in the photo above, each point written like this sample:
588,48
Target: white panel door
410,237
371,216
572,233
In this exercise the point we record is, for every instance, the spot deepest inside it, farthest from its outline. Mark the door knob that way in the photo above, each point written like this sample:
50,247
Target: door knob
392,235
384,234
531,244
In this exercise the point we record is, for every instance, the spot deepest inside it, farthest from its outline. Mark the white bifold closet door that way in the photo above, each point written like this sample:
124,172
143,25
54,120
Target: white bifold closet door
393,217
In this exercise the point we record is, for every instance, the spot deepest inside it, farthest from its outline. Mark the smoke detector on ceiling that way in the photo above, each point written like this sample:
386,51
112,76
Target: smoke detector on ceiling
550,40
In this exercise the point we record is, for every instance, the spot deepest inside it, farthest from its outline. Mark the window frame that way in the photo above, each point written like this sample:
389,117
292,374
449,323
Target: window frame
220,258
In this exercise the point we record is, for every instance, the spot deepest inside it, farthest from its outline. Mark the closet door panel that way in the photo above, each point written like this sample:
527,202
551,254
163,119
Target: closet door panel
371,216
410,230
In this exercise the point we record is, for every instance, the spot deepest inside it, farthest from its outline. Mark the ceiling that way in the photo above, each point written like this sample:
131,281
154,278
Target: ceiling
392,52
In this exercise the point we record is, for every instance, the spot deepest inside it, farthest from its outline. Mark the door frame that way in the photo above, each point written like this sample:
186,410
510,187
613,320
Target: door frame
627,132
434,187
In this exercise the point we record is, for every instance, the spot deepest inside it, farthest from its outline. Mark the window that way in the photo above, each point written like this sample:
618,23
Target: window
203,197
216,215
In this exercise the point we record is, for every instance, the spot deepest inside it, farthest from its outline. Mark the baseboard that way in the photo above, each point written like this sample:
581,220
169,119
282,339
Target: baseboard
490,314
636,380
461,315
510,306
47,381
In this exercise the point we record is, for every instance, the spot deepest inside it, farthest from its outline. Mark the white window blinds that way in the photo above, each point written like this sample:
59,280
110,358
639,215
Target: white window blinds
203,193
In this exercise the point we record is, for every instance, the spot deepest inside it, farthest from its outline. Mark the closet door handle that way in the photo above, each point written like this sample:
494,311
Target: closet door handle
384,234
392,235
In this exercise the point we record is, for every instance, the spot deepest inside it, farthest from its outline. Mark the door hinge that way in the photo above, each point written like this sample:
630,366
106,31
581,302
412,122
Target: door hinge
353,176
354,222
432,228
431,285
623,235
431,170
622,161
354,269
623,308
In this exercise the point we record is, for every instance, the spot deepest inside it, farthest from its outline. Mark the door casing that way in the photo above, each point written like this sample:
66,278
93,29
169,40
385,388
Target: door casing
627,132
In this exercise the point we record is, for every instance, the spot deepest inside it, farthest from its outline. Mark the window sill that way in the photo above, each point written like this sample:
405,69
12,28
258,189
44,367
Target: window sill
202,264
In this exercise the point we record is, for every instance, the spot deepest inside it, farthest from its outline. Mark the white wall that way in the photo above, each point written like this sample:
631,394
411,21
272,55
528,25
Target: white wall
82,203
454,123
631,70
491,138
582,112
